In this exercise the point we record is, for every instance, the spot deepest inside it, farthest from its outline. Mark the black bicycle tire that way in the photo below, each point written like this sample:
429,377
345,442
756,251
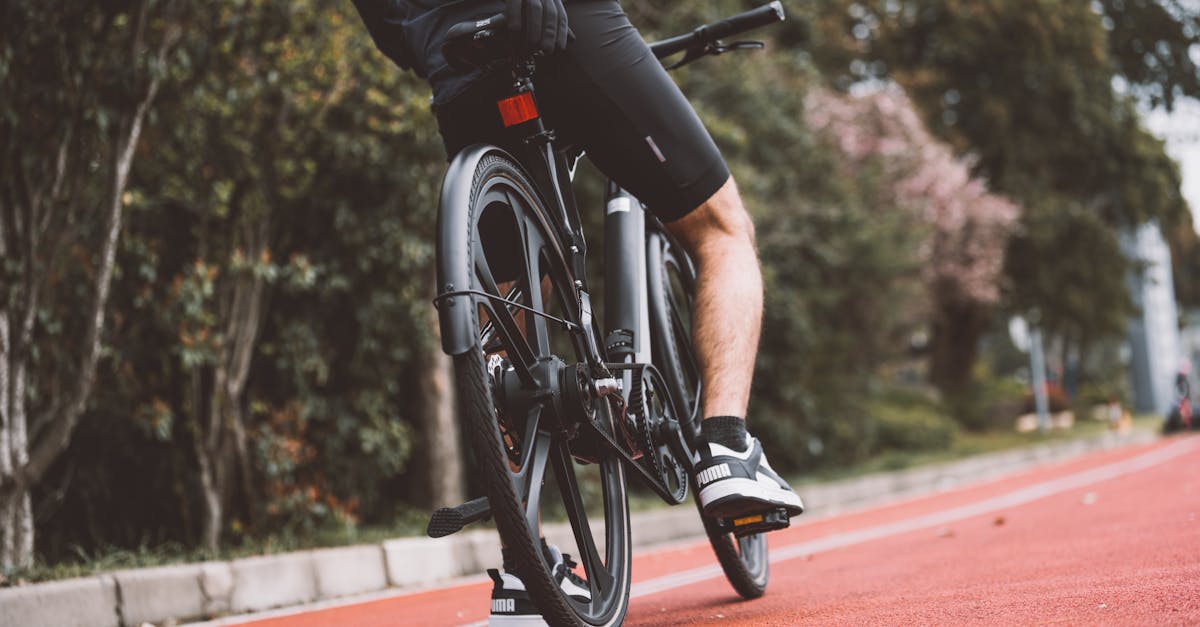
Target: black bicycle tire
749,582
476,409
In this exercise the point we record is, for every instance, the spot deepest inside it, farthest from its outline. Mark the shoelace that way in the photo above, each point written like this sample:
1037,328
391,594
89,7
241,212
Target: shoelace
568,570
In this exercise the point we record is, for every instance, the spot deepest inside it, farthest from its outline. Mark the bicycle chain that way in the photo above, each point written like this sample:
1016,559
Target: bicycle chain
645,426
641,422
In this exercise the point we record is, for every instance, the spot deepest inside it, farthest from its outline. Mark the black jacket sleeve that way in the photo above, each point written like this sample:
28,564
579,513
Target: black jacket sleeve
382,21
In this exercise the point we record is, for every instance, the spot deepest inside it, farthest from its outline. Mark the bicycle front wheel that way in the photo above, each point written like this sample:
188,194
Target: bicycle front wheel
671,284
508,384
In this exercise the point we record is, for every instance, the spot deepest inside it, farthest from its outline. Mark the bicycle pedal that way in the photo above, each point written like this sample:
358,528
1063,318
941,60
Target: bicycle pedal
751,524
448,520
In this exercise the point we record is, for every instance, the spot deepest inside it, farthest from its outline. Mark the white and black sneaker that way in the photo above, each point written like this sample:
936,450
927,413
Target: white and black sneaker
734,483
511,605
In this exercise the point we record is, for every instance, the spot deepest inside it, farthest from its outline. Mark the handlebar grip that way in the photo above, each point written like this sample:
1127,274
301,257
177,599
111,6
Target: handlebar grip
760,16
740,23
468,30
471,45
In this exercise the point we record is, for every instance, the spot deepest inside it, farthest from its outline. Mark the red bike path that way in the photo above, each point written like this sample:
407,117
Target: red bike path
1110,538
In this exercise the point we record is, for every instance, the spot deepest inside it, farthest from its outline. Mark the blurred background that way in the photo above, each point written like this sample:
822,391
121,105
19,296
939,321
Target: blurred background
216,246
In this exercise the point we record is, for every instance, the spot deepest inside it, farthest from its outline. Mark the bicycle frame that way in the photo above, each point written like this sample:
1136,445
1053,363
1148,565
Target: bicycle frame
627,311
625,265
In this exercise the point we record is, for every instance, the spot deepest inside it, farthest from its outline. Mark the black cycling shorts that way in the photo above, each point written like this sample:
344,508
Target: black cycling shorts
608,94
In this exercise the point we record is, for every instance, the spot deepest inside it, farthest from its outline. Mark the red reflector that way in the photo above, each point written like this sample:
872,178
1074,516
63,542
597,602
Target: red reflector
517,109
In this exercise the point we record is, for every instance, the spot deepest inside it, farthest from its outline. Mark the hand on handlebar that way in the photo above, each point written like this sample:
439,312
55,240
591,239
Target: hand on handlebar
539,24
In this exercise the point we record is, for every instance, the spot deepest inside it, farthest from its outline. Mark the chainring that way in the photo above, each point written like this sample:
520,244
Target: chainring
651,414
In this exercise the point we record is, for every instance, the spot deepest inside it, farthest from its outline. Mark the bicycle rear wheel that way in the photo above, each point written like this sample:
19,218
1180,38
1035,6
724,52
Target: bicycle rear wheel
508,386
671,285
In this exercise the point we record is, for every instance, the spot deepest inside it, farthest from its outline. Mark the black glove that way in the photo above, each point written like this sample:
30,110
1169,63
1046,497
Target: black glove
539,24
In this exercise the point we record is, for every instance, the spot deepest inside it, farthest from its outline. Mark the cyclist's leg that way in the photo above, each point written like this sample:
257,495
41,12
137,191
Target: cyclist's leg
609,93
727,312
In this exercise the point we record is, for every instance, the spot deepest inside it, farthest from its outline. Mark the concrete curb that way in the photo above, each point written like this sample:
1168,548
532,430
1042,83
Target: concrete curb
150,594
172,594
86,602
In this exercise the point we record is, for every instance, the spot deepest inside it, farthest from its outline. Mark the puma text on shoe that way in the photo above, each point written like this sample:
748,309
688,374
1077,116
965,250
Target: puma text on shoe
511,604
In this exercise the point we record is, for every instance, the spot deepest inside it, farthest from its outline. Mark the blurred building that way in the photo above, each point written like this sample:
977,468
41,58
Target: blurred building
1154,339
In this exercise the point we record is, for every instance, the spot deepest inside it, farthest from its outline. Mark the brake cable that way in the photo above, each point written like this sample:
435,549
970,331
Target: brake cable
567,324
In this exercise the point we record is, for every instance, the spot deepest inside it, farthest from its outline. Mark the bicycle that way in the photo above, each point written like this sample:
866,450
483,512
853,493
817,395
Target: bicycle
537,387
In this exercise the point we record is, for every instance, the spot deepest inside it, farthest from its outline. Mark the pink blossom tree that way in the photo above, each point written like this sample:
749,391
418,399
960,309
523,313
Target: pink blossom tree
962,254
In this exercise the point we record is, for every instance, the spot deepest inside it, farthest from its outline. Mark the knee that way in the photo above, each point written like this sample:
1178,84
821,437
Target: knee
718,223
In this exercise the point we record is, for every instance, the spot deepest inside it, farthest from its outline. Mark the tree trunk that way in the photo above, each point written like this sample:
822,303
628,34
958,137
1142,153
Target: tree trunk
956,333
19,502
440,424
245,322
210,525
7,529
222,448
208,458
16,517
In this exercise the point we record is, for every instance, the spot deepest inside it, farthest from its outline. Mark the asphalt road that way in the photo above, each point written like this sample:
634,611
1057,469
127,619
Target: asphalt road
1111,538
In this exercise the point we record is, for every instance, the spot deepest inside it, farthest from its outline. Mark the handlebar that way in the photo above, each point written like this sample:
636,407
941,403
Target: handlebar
709,34
474,44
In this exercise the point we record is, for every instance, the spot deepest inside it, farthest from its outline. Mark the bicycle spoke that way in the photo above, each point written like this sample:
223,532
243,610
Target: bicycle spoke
673,302
532,476
685,347
599,579
536,327
520,353
679,326
488,333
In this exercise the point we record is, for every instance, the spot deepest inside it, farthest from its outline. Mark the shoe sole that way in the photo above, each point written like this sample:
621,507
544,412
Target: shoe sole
738,496
501,620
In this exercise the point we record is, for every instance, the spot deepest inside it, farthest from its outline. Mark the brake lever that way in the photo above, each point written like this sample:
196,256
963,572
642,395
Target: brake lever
721,48
715,48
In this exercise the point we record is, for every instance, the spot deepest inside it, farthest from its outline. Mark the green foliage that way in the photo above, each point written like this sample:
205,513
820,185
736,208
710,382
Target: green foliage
839,259
1076,299
1028,88
285,152
909,421
1151,42
987,403
1044,120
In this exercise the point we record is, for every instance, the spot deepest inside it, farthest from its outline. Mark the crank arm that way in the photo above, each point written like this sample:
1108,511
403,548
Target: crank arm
594,429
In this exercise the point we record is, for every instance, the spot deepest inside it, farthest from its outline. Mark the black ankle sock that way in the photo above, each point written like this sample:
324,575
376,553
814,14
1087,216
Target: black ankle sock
506,560
509,564
727,431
